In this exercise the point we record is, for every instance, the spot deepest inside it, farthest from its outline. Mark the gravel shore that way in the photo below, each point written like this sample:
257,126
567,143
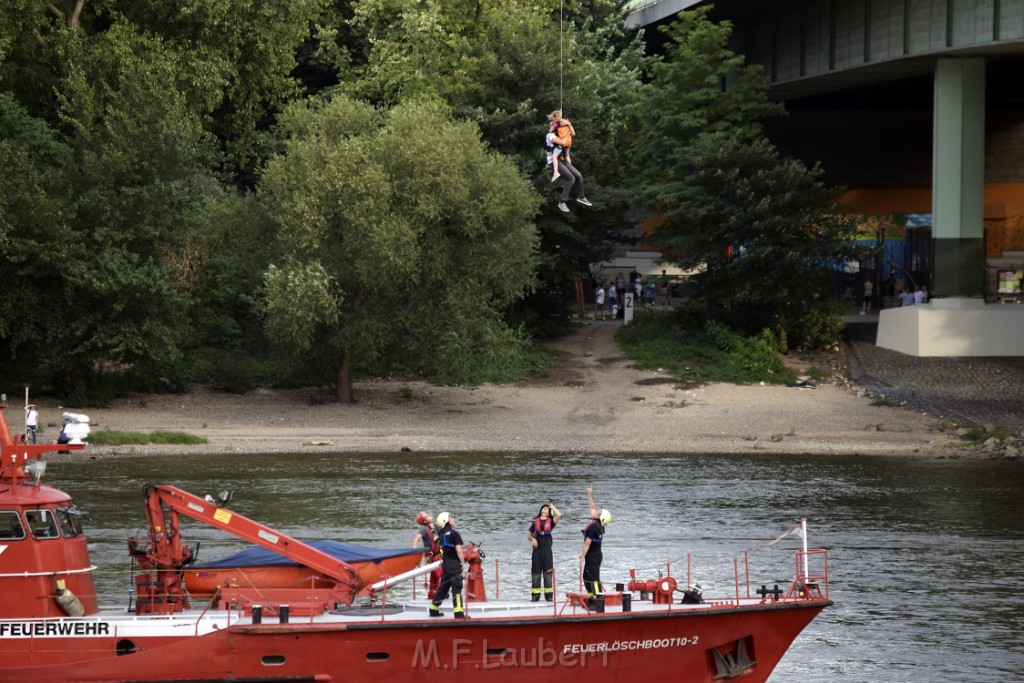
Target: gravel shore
594,402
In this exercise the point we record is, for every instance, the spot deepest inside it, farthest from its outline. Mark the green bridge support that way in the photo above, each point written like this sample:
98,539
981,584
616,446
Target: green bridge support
958,178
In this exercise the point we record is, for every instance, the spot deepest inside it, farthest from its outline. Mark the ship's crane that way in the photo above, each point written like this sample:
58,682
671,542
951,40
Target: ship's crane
164,552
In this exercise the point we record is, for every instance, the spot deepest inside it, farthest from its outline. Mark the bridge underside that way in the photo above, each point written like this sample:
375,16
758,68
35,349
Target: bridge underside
916,106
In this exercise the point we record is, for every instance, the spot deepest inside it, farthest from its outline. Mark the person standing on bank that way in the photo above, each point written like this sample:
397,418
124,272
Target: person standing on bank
31,422
591,555
599,299
553,142
543,563
869,293
452,559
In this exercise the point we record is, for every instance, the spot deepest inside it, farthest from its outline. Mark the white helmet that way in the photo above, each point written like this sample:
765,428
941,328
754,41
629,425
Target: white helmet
605,517
442,519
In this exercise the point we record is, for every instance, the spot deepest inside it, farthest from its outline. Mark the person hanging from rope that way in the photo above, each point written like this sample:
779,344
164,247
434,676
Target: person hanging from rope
562,130
558,141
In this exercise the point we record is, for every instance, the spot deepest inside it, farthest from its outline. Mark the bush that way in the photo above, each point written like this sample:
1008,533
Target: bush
113,437
694,351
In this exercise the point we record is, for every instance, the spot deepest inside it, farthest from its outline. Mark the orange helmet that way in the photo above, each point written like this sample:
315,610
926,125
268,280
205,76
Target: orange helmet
422,518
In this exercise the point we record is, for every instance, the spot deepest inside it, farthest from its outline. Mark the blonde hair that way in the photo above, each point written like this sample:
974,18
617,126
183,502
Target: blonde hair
556,115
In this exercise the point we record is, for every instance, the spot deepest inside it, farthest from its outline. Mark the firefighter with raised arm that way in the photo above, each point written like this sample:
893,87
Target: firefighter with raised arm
593,536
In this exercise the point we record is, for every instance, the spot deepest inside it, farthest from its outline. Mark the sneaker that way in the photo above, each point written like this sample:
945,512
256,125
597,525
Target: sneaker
584,201
562,207
555,176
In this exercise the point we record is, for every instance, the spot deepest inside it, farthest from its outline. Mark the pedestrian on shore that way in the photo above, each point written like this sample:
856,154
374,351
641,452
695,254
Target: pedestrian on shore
599,306
591,555
31,422
543,563
452,559
869,291
663,288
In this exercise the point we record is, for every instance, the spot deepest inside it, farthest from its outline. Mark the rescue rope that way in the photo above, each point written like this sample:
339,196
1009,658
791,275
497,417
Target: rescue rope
561,52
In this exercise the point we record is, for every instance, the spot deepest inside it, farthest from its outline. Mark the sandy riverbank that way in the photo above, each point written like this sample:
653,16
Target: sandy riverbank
594,402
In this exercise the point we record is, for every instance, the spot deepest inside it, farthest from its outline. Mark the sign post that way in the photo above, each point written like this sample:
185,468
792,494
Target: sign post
627,311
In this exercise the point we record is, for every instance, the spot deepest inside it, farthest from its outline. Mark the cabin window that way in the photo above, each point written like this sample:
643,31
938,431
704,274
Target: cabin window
11,528
42,523
70,521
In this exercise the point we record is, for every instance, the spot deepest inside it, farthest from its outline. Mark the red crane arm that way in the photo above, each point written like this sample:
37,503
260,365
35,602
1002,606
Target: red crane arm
168,551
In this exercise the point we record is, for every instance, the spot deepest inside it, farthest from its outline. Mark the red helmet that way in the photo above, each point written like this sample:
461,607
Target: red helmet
422,518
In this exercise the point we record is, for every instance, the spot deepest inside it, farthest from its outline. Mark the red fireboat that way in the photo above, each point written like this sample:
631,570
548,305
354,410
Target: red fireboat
340,627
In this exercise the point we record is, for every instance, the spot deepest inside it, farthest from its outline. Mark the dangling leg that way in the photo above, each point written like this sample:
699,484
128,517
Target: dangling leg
570,172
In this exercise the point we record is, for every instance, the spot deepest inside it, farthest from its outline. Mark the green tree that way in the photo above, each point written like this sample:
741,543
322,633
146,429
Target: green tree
34,238
133,239
760,232
764,239
504,65
401,236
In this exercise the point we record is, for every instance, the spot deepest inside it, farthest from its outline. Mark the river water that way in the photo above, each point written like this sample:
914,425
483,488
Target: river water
927,556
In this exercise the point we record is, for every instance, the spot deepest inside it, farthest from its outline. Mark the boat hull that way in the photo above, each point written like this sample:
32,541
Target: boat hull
687,646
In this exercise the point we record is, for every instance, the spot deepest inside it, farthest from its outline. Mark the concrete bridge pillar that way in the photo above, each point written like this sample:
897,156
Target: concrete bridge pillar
958,323
958,178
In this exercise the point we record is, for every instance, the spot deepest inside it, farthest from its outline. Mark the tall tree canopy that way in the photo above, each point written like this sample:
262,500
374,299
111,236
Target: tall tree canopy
759,231
402,239
134,133
121,117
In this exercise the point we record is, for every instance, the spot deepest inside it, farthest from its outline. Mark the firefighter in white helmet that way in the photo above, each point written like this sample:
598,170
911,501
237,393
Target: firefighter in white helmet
593,535
452,559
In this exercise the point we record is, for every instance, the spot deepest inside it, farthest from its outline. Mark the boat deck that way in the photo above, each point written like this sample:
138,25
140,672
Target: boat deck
203,621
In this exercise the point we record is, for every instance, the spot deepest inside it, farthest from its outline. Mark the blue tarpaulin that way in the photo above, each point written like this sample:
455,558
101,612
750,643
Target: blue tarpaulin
346,552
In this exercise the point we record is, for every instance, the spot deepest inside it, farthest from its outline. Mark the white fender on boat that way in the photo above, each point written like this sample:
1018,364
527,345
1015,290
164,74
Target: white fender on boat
69,602
405,576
